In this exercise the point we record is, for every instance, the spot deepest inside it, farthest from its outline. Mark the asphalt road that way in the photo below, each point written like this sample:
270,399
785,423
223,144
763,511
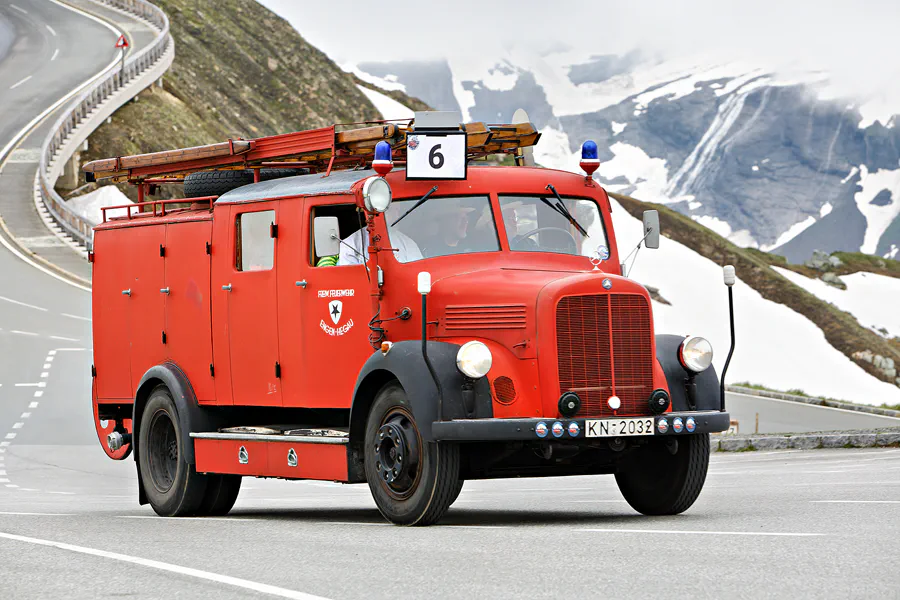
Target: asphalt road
787,524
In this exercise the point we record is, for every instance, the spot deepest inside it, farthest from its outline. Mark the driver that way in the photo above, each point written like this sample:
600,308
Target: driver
452,227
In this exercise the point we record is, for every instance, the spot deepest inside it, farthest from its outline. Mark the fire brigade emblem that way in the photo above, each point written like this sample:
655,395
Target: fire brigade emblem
335,308
413,142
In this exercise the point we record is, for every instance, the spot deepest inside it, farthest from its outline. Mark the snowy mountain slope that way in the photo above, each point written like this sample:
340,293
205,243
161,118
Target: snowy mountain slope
388,107
776,346
770,160
869,297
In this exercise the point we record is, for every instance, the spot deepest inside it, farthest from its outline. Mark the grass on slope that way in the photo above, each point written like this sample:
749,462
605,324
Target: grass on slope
240,71
410,102
852,262
841,329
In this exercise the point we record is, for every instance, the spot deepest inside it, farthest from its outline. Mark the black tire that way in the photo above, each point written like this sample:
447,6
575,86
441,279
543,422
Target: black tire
658,482
456,491
173,487
221,494
426,478
216,183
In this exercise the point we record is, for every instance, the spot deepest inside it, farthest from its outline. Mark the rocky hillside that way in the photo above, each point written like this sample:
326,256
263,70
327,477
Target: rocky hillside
768,161
239,71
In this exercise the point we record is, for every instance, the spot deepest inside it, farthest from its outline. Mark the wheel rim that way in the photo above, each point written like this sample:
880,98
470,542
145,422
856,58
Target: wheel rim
397,453
163,451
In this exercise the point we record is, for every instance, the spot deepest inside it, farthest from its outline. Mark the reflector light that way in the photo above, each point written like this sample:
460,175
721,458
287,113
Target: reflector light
558,429
662,425
383,162
541,429
677,424
614,402
589,158
690,424
574,429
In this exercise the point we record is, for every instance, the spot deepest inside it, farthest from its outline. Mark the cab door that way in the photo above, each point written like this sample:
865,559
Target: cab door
252,306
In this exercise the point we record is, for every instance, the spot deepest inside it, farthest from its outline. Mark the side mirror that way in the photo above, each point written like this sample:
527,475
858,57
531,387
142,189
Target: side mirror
651,229
327,236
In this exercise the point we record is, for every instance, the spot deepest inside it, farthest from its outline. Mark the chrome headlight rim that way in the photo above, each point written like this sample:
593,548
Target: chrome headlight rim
373,193
474,359
693,356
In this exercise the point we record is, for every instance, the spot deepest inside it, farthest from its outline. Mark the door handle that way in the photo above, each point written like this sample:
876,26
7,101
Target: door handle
164,290
126,292
226,288
301,283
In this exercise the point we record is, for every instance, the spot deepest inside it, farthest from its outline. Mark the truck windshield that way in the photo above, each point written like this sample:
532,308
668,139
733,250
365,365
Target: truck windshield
534,226
442,226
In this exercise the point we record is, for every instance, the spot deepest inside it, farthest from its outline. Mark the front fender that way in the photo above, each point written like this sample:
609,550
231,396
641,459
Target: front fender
707,382
405,364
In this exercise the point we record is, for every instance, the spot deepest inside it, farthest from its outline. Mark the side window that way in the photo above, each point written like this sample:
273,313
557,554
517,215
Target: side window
254,245
353,244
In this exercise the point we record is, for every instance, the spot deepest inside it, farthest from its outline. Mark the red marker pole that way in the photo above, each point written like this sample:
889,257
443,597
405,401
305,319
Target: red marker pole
122,44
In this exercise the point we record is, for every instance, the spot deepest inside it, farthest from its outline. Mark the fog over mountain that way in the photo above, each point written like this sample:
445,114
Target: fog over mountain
772,122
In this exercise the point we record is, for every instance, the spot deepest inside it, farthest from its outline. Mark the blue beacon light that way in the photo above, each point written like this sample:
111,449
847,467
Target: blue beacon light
589,158
383,163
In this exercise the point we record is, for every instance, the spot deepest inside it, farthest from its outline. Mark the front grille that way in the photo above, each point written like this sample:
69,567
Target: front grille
605,348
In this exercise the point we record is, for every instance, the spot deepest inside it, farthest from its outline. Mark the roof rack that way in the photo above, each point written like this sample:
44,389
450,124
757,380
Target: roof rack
319,150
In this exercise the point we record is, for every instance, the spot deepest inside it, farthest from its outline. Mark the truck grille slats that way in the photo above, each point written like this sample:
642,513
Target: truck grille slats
500,316
604,348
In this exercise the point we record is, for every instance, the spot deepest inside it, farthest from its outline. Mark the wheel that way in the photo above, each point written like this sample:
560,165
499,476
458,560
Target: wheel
221,494
456,491
173,487
216,183
666,478
412,482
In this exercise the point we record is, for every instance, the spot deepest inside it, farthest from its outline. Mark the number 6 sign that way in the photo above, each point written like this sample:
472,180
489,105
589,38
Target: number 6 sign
436,155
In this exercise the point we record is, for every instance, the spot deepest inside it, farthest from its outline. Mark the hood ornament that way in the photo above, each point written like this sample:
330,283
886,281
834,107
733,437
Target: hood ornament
600,255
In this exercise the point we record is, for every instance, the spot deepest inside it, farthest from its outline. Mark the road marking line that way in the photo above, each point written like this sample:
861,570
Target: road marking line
19,425
38,394
33,404
4,480
39,384
51,353
855,501
155,564
155,518
55,54
22,332
28,490
354,523
21,10
45,374
594,501
65,493
11,301
35,514
65,339
10,436
47,365
11,485
2,472
15,85
50,29
473,526
4,445
700,532
25,415
76,317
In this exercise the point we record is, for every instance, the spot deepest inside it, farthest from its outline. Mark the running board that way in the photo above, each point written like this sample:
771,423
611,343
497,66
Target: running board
270,437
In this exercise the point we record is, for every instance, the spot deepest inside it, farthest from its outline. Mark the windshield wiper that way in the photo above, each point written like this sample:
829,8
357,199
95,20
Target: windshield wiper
560,207
418,203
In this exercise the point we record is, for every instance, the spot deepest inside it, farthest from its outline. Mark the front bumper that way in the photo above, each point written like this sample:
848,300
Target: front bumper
486,430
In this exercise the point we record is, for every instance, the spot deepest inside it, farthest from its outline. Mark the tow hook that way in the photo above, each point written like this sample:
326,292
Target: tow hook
117,440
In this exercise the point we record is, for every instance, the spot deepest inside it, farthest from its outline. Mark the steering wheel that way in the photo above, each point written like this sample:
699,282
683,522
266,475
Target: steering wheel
572,245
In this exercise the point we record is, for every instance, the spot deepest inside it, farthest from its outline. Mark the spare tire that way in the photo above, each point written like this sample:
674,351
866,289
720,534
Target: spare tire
216,183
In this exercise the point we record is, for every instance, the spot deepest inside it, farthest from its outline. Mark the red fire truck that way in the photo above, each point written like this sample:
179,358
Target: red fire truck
378,304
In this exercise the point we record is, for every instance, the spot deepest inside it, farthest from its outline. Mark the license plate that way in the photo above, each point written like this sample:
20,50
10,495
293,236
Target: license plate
618,427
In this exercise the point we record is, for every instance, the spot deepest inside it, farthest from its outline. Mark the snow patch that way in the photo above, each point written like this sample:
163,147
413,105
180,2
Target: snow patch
387,106
388,82
776,346
88,205
648,175
792,232
694,205
743,238
618,128
892,253
825,210
717,225
867,297
755,167
850,175
878,218
553,151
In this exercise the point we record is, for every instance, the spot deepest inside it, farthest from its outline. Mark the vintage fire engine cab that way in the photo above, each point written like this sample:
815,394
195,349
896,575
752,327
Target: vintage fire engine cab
319,312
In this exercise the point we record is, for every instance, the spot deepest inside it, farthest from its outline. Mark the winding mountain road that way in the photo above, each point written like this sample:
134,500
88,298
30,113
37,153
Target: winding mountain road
70,525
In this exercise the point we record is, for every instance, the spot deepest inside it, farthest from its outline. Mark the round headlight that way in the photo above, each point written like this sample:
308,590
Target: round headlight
376,194
474,360
695,353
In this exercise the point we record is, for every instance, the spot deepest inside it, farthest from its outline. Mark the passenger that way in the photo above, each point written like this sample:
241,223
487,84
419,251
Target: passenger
452,227
355,248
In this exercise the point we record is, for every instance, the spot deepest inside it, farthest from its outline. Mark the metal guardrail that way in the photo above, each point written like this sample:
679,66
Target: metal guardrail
58,148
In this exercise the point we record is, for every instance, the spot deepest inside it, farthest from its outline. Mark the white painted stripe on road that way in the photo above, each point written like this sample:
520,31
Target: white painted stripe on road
22,332
35,514
21,10
65,339
28,384
155,564
76,317
25,415
63,493
45,374
50,29
11,485
18,83
17,426
10,436
51,353
50,358
4,480
700,532
55,54
5,299
157,518
47,365
2,472
855,501
33,404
